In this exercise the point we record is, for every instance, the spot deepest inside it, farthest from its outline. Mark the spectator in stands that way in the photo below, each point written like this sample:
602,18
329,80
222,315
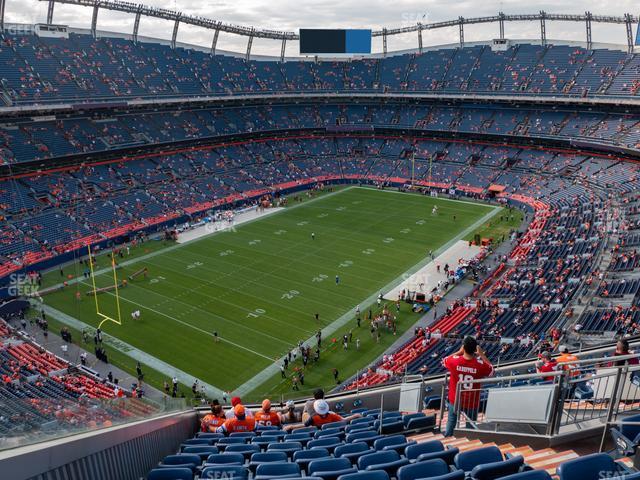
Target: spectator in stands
266,417
214,420
239,423
546,364
622,349
323,415
467,364
307,410
567,361
234,402
290,414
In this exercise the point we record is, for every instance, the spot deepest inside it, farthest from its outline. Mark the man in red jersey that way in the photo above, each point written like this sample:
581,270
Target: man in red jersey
467,364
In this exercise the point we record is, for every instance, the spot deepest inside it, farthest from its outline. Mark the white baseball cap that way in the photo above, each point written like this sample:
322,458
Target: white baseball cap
321,407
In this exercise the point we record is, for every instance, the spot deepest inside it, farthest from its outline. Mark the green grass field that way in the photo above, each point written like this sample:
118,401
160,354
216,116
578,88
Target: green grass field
260,285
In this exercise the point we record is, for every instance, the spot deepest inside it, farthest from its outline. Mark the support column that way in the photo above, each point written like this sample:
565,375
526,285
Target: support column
214,43
501,21
461,25
283,49
174,37
629,25
2,2
543,27
384,41
94,18
249,44
50,12
136,24
420,37
588,28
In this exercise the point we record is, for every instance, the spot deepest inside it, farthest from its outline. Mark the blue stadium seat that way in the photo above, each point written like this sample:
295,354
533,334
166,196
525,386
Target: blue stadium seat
529,475
244,435
352,451
226,459
203,450
492,470
266,428
468,460
393,442
594,467
390,425
372,475
330,443
311,430
304,457
186,460
330,468
448,455
328,426
330,432
268,471
223,442
197,441
387,460
303,438
266,457
368,436
413,452
233,472
170,474
210,435
430,468
246,450
626,437
419,421
287,447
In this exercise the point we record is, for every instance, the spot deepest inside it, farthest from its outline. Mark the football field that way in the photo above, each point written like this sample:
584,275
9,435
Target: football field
260,285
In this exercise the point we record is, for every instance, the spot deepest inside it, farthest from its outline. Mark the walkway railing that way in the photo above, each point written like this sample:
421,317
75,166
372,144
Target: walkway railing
582,394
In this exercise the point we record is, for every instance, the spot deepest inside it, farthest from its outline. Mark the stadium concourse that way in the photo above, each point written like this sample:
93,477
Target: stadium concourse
105,140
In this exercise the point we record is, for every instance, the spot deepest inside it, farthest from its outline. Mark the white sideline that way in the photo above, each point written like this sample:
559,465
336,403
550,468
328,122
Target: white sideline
223,225
428,276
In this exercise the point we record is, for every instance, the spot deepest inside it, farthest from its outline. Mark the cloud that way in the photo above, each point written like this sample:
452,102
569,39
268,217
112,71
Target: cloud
291,15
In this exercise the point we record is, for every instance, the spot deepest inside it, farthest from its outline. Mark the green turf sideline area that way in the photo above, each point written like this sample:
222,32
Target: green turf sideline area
260,285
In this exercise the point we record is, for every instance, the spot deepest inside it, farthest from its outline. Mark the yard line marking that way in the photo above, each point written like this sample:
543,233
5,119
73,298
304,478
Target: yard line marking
327,331
170,248
133,352
186,324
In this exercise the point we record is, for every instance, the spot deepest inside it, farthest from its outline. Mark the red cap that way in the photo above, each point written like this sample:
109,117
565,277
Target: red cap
235,401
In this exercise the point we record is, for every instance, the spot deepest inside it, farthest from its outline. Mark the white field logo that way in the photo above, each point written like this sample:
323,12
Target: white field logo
23,285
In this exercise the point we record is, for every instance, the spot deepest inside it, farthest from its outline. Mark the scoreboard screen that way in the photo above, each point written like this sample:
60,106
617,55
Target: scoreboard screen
319,41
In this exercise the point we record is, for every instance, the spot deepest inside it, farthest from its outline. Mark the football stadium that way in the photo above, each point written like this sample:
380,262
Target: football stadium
373,242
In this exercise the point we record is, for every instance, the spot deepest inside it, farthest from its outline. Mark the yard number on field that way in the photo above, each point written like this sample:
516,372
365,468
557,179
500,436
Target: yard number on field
256,313
194,265
291,294
320,278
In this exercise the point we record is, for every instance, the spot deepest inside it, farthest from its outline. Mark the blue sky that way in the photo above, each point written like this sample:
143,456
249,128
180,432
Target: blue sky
294,14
